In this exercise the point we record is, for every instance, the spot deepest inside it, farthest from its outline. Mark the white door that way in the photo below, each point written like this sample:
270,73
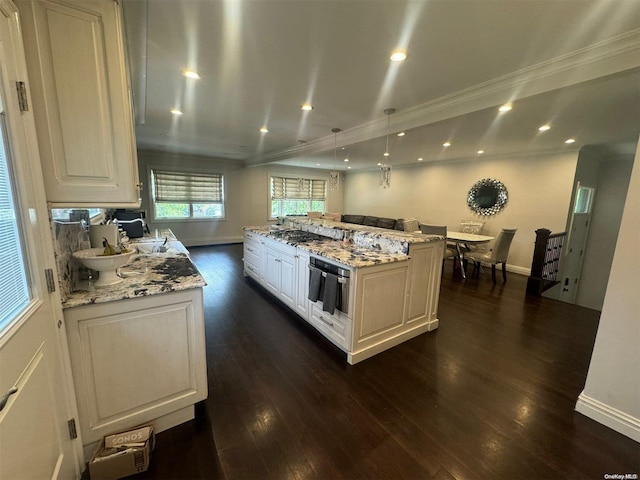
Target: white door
576,243
34,434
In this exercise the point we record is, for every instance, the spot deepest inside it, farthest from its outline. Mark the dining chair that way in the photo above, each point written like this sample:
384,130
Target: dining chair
471,226
441,230
497,254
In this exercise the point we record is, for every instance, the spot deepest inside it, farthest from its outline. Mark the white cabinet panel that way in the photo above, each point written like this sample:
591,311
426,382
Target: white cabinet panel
136,360
302,293
280,275
81,101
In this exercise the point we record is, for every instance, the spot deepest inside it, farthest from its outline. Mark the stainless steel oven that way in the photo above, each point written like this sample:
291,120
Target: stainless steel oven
343,274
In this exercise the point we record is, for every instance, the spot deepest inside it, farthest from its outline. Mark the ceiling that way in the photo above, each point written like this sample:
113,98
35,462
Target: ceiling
574,65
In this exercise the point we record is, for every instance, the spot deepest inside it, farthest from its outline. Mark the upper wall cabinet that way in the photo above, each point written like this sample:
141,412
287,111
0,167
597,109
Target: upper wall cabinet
81,101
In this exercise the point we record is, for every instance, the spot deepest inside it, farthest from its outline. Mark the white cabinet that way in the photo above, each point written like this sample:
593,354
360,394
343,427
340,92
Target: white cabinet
81,101
280,271
253,261
389,303
137,361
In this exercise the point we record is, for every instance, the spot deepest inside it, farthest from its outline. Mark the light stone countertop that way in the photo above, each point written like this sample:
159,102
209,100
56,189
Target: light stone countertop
144,275
369,245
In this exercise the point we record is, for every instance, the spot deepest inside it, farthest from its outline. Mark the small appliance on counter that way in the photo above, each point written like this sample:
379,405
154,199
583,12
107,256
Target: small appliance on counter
132,222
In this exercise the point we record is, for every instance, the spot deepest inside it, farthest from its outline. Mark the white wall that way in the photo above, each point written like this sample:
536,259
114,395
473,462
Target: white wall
612,391
246,196
539,196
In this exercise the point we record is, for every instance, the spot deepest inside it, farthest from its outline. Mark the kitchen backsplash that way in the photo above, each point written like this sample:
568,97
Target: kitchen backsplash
69,235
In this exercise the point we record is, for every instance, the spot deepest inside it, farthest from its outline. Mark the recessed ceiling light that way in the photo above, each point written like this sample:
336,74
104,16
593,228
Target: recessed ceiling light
570,140
505,108
480,152
446,144
317,164
348,168
306,107
379,164
401,134
264,130
386,154
544,128
420,159
398,55
191,74
175,111
346,159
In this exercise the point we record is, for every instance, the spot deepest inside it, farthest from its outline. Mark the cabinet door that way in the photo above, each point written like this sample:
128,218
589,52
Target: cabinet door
81,101
288,286
136,360
272,270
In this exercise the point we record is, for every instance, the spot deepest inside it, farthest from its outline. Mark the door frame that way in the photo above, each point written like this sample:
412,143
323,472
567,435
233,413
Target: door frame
35,217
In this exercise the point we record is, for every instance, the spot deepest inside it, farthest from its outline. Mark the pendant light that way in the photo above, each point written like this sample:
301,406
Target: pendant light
300,179
334,176
385,168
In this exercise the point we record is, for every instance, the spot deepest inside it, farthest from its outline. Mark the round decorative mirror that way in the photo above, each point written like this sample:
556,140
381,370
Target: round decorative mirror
487,197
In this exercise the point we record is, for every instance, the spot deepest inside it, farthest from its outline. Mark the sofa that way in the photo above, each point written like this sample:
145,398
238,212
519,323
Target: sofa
402,224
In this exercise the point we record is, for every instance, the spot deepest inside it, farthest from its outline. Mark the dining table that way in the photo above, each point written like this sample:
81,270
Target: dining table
465,240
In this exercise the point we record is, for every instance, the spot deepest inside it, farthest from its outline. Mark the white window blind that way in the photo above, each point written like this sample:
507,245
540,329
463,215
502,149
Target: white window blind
187,187
14,291
284,188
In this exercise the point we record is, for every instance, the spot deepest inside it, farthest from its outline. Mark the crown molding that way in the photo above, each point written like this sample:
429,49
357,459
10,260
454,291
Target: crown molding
608,57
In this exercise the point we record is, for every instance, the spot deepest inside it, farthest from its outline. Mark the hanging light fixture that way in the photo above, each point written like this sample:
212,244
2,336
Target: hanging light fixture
385,167
334,176
300,179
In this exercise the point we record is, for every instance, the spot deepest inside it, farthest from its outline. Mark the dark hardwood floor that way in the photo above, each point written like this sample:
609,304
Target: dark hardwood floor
489,395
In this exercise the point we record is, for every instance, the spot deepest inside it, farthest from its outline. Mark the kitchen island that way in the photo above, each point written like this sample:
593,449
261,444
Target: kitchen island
137,348
388,285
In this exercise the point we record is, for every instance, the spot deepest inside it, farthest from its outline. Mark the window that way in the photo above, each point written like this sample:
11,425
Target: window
584,197
297,196
14,290
187,195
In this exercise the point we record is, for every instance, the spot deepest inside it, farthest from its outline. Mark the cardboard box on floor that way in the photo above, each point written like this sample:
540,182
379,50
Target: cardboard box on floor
122,454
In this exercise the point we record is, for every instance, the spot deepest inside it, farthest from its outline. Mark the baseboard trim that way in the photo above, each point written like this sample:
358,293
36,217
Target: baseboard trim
608,416
200,242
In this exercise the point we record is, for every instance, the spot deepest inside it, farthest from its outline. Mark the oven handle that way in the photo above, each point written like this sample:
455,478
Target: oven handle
324,274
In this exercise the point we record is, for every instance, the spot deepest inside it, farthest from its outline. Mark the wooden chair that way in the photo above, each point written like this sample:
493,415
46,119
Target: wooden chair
497,254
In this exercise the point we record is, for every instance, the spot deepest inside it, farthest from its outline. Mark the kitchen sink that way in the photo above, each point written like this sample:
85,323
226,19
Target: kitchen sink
160,247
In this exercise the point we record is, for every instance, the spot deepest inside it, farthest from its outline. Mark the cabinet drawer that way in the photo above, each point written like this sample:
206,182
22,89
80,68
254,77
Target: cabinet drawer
252,269
336,327
253,253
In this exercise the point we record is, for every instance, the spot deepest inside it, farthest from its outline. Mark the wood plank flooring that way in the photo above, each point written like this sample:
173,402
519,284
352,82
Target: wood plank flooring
489,395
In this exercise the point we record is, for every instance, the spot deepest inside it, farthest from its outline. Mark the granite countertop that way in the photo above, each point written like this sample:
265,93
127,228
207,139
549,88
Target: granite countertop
144,275
368,245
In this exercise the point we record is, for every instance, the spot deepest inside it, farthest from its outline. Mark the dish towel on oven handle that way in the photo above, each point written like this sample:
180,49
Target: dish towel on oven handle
330,297
315,282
